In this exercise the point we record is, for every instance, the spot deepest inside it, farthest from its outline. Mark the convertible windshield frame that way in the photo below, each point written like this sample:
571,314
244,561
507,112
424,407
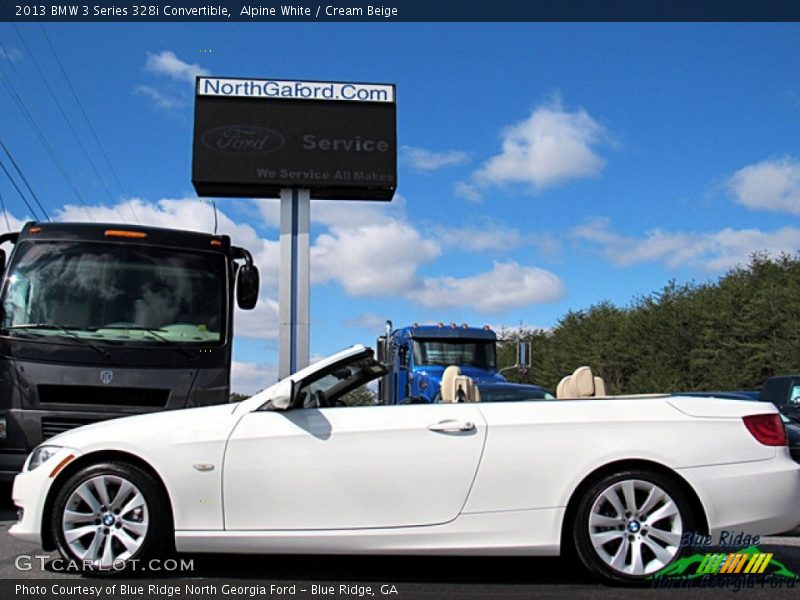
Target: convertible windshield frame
116,293
345,376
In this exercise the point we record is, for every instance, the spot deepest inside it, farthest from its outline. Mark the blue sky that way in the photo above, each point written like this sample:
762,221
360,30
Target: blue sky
543,167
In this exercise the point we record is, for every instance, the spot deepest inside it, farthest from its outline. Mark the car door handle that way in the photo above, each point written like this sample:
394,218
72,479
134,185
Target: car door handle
451,426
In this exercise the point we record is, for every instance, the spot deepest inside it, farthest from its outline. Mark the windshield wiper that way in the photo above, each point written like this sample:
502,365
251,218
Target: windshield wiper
152,331
64,329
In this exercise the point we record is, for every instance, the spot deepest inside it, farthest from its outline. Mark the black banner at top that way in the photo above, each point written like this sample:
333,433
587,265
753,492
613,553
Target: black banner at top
397,10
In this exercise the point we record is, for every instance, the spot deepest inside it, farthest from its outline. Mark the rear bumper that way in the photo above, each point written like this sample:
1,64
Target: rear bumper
754,498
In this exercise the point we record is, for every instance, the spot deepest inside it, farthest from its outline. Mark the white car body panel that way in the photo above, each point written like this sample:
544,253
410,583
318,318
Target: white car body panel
508,533
347,465
377,480
572,438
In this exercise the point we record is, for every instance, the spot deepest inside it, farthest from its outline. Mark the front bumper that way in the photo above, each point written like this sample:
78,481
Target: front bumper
30,493
755,498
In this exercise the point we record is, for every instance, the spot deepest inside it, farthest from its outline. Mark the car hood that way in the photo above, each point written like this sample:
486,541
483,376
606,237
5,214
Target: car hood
150,429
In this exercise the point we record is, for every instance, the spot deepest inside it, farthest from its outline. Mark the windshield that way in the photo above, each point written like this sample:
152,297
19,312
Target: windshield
116,292
474,353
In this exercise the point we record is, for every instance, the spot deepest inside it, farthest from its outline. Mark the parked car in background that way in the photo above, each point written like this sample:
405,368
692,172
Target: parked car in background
784,392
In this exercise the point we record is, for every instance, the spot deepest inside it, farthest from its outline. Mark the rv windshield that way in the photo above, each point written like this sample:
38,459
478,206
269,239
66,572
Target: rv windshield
116,292
446,352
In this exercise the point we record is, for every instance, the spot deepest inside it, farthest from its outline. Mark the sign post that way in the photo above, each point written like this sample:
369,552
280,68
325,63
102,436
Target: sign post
294,286
297,141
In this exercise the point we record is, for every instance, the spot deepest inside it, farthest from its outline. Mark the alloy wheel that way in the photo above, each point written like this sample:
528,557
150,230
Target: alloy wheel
635,527
105,521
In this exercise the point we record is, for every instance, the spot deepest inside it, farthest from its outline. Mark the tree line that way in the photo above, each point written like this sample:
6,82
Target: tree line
730,334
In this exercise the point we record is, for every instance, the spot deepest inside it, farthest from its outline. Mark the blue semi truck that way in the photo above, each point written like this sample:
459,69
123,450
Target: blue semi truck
417,356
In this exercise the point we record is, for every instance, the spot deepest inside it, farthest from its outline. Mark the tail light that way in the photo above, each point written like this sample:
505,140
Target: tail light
767,429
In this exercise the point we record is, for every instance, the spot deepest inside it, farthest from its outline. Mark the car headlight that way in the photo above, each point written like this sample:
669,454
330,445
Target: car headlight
41,455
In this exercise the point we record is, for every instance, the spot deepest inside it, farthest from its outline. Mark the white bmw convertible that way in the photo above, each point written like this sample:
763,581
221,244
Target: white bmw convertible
295,469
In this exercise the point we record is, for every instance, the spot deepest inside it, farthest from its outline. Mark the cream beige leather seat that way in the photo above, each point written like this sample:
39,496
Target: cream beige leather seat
581,384
457,387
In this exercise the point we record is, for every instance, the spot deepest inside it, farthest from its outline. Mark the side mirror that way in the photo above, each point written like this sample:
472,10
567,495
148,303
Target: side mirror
247,282
523,354
282,393
380,350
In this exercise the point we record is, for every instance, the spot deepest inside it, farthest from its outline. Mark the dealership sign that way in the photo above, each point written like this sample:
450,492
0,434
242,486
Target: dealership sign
254,137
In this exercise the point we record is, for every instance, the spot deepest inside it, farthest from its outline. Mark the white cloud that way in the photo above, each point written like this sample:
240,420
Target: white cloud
368,321
259,323
369,248
550,147
167,63
373,259
249,378
14,224
339,213
10,54
428,160
769,185
160,99
488,235
507,285
482,237
711,251
467,191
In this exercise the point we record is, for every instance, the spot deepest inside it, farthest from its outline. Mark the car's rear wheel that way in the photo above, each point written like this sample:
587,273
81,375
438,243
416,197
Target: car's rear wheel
109,517
629,525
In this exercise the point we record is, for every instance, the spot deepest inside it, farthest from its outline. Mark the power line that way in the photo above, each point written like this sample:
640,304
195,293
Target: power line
19,191
8,58
24,179
5,214
43,140
86,118
66,118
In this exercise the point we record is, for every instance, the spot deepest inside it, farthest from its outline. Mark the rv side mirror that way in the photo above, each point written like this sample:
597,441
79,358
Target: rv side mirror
281,397
247,282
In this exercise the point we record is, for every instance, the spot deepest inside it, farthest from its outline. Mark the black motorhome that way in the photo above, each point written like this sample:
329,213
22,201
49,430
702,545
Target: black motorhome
100,321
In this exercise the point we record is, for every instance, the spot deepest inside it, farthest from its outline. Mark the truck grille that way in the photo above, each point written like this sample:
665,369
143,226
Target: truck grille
108,396
53,426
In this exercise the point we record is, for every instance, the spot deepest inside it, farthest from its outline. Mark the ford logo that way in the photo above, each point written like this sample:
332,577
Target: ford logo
242,139
106,376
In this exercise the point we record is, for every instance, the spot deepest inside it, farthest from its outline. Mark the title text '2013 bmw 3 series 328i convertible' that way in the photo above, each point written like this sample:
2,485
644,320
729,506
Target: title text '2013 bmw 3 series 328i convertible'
299,469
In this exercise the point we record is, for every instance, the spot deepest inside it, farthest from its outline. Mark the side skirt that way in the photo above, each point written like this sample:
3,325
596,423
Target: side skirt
509,533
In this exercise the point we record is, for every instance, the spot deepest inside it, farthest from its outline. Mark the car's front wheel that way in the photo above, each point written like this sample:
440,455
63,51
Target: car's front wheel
629,525
108,517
